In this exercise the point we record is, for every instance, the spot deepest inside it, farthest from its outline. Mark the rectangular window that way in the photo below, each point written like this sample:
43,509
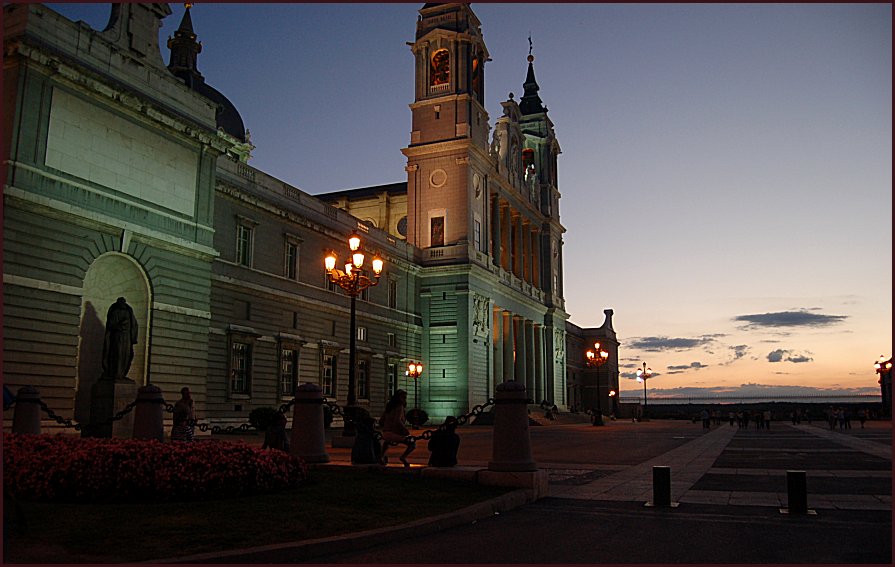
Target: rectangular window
365,294
328,375
477,234
393,294
363,382
392,340
290,270
362,333
240,365
392,371
244,234
329,284
437,231
288,371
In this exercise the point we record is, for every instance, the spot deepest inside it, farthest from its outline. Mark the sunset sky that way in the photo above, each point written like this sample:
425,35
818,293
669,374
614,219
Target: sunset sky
726,173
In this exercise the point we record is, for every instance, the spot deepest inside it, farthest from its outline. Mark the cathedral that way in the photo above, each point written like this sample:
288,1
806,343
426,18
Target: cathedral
128,176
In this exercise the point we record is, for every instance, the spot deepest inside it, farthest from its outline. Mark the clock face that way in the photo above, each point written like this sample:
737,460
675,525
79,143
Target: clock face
402,227
441,67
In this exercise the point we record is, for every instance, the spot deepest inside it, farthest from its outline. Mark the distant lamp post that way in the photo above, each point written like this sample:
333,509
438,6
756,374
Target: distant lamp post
883,367
415,370
353,279
643,376
595,358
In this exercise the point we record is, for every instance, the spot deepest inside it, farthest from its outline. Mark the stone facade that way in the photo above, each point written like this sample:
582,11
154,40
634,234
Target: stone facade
129,178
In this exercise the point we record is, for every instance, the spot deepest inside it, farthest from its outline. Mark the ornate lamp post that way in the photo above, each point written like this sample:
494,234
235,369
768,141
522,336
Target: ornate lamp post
643,376
415,370
595,358
883,367
353,279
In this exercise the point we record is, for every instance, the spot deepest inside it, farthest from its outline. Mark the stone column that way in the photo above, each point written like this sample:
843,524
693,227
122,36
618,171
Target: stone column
149,413
517,268
519,344
308,439
511,449
497,346
540,387
495,229
26,418
525,264
508,342
535,258
529,358
506,220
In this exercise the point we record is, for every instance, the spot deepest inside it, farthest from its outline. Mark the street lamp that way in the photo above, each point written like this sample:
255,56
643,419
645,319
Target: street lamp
883,367
613,401
643,376
415,370
353,279
595,358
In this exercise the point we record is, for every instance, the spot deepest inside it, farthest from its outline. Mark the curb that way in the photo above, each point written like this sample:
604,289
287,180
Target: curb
301,550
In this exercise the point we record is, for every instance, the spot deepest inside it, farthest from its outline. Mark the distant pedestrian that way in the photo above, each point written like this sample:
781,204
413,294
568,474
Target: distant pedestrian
846,417
394,427
831,417
444,444
732,417
275,436
706,423
184,417
862,416
767,419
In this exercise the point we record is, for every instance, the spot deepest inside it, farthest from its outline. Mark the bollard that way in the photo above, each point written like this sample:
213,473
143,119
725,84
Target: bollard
796,493
26,418
308,438
511,449
662,486
149,413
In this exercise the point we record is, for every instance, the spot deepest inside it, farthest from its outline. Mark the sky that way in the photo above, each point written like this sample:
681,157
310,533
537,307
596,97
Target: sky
726,170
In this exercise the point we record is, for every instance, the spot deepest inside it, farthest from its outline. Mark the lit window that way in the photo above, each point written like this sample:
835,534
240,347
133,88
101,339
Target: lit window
437,231
362,333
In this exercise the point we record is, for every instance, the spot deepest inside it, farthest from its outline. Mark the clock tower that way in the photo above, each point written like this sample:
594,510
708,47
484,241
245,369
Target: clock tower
448,153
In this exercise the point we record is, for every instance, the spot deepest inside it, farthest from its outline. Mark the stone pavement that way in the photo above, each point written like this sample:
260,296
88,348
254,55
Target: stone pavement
730,484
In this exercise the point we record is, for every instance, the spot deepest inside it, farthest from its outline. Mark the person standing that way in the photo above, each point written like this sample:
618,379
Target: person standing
275,436
184,417
394,427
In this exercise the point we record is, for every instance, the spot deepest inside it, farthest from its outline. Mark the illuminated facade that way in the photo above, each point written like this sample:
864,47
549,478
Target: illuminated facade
129,177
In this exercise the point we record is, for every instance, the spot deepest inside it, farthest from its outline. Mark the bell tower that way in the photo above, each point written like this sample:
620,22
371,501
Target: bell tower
448,152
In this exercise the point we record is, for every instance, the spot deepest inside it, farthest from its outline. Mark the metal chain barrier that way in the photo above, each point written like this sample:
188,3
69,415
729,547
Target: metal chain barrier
81,426
243,427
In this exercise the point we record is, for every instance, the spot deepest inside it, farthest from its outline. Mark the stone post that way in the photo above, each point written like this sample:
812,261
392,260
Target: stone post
26,418
511,450
149,413
308,438
107,398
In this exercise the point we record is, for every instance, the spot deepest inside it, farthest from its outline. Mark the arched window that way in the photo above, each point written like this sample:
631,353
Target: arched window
440,72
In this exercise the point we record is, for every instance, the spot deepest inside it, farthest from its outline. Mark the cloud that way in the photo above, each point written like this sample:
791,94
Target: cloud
659,344
783,355
797,318
753,389
739,351
680,369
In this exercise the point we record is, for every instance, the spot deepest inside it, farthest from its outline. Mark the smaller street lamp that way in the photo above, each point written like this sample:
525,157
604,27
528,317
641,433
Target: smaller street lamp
643,376
595,358
415,370
613,401
883,367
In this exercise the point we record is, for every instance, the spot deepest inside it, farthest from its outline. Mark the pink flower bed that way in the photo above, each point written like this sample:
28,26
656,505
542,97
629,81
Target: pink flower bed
44,467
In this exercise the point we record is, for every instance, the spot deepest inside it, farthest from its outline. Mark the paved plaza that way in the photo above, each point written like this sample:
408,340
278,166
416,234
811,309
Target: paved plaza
728,486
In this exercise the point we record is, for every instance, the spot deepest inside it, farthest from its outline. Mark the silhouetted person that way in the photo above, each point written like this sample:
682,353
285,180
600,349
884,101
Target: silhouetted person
444,444
119,341
366,450
275,437
184,417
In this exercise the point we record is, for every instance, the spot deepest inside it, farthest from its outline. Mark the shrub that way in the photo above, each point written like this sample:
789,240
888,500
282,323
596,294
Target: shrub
43,467
262,418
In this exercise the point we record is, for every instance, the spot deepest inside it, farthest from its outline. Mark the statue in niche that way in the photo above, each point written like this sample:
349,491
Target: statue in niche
559,345
480,316
119,341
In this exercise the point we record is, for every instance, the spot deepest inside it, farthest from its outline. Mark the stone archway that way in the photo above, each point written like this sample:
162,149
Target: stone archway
111,276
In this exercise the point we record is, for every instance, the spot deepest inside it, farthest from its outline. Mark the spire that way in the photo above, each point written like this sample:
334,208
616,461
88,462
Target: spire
185,50
531,102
